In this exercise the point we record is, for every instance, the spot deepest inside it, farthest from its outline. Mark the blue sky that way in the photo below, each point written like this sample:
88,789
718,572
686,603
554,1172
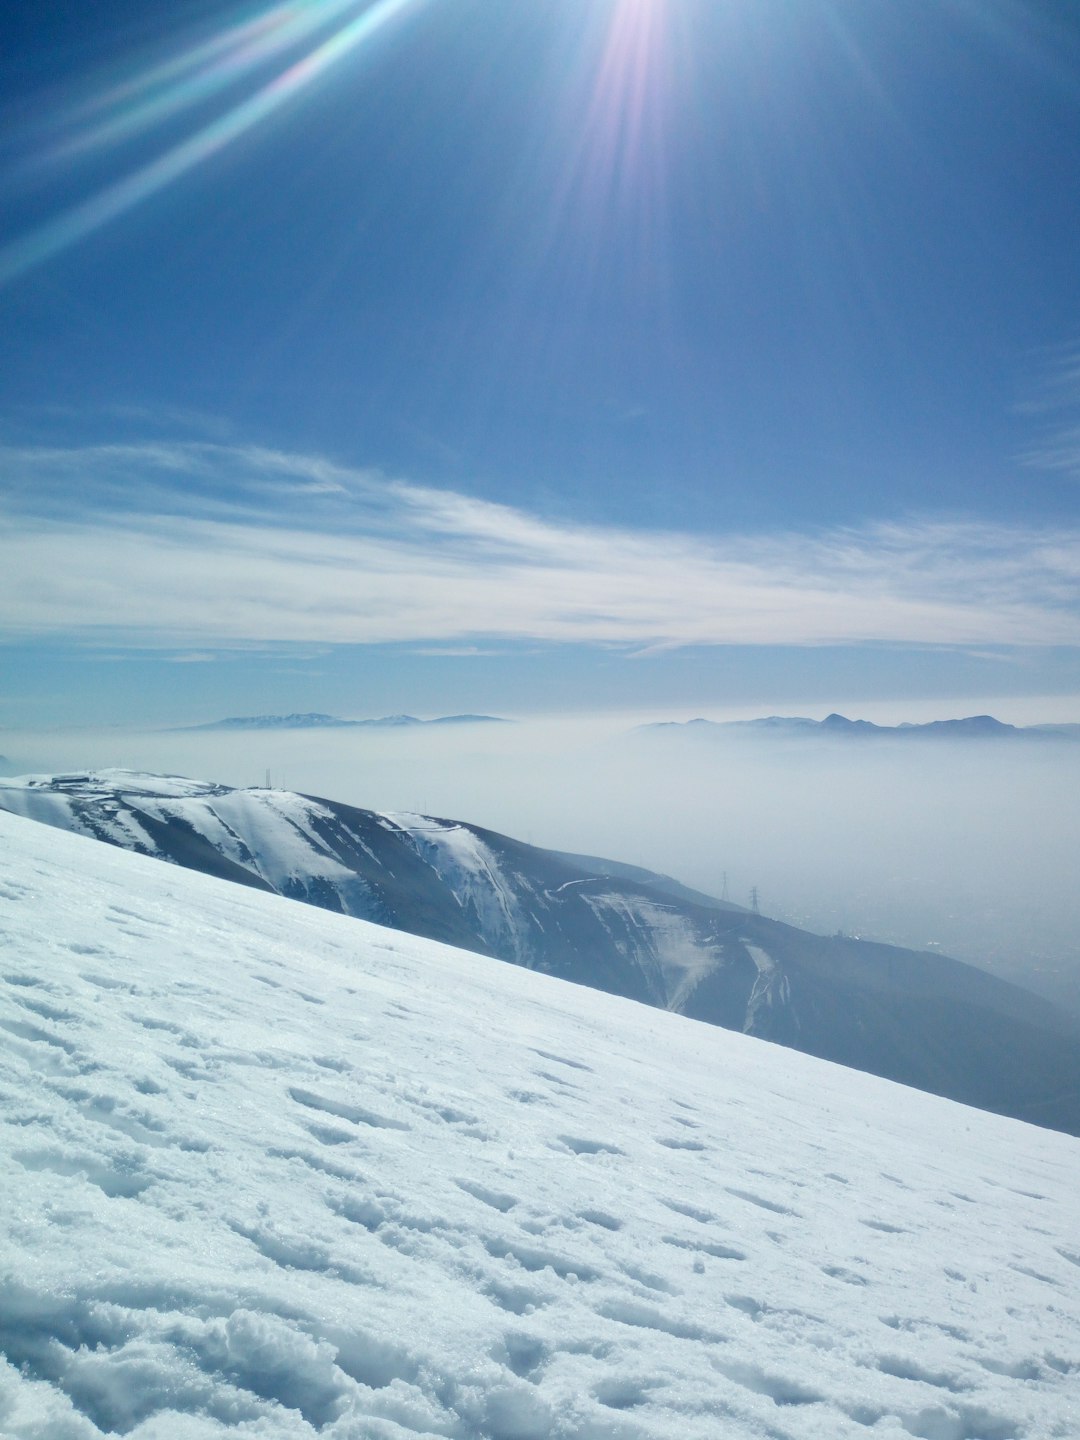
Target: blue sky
542,354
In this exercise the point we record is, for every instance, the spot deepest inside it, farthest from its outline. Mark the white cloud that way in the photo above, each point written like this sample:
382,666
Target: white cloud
207,546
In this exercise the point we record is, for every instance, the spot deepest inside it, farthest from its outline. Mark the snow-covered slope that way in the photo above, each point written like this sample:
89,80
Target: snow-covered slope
272,1171
921,1019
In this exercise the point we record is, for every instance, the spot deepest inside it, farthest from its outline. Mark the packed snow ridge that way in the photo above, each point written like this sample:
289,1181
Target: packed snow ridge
273,1171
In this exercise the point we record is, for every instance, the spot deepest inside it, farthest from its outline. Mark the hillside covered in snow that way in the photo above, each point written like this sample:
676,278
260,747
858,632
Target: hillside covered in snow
274,1171
919,1018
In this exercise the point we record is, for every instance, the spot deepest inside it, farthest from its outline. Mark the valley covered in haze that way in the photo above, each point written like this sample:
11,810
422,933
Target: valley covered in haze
969,846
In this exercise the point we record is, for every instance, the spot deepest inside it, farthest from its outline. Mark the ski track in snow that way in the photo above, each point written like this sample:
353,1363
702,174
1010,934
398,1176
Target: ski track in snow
275,1172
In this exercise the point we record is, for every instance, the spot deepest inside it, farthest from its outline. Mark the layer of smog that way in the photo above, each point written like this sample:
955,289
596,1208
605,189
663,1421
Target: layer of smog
969,847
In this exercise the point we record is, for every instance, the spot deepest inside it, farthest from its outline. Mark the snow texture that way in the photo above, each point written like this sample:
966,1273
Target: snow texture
271,1171
268,831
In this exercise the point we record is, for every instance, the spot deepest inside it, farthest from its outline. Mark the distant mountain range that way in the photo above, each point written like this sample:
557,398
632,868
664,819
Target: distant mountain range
972,727
315,721
920,1018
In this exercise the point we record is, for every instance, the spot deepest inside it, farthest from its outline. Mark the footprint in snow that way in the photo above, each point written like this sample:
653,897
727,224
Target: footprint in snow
645,1317
496,1199
106,982
849,1277
704,1247
779,1388
903,1368
344,1110
566,1086
24,1030
693,1212
514,1299
116,1181
601,1218
562,1060
582,1146
621,1393
45,1010
761,1202
649,1279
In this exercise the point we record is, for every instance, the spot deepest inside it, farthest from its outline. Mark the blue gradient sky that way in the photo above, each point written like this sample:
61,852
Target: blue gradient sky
542,354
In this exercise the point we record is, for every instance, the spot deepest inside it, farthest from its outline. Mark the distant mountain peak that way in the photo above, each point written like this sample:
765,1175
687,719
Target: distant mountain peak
973,727
312,720
315,720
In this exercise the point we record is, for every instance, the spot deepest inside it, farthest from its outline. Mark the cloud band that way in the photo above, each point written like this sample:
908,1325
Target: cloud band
203,545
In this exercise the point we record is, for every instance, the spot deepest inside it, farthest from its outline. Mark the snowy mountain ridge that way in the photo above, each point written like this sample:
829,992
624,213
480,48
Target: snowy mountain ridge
918,1018
271,1171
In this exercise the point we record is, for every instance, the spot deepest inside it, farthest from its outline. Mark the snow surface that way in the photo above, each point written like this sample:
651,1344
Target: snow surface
268,831
270,1171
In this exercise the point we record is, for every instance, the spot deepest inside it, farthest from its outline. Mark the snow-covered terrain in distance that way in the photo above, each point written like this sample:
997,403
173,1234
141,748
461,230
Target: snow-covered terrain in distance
273,1171
920,1019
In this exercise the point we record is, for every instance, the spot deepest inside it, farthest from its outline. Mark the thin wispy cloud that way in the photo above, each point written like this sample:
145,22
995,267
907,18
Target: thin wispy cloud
203,546
1054,406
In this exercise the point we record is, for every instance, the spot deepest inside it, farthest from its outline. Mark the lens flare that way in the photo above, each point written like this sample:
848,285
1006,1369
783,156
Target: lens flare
189,81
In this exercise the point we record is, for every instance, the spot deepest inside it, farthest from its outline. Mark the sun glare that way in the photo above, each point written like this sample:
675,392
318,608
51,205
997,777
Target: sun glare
296,43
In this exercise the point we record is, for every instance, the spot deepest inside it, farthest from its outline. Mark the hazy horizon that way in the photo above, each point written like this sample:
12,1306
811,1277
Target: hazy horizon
966,846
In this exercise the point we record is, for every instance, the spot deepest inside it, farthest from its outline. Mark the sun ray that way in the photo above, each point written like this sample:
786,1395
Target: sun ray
186,82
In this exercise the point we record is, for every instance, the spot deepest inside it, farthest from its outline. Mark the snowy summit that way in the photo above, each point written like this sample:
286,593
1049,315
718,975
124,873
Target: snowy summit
273,1171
